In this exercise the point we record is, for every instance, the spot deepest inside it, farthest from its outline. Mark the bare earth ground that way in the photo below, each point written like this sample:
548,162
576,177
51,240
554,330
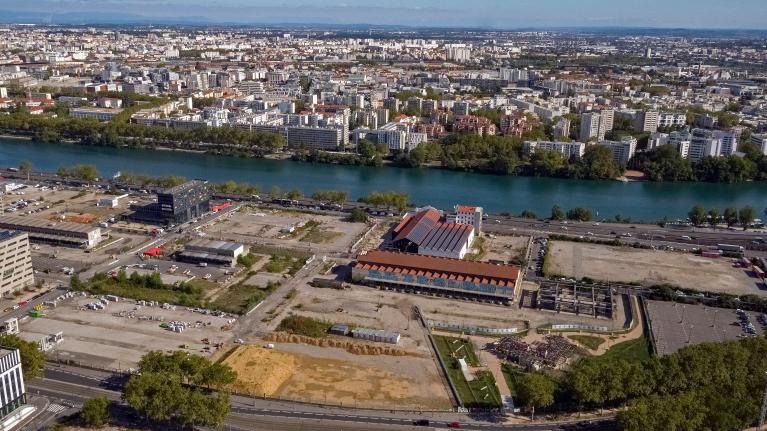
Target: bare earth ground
623,264
99,338
334,376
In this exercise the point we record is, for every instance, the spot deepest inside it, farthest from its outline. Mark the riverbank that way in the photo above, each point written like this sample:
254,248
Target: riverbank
442,188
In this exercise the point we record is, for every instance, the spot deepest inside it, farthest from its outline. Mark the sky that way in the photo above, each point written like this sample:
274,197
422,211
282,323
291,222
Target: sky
510,14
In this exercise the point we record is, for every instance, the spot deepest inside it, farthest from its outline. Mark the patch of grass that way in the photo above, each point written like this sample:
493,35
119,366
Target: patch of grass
458,348
588,341
480,392
479,245
632,350
247,260
282,259
307,227
148,288
307,326
241,297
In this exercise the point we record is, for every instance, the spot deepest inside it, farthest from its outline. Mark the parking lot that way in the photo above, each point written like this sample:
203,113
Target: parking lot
677,325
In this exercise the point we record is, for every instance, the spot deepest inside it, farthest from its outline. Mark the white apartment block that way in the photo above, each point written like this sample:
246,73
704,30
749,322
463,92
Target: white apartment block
711,143
760,140
672,119
567,149
596,124
623,150
465,214
15,262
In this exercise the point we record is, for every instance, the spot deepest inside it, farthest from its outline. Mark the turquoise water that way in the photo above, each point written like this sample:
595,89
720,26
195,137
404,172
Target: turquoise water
440,188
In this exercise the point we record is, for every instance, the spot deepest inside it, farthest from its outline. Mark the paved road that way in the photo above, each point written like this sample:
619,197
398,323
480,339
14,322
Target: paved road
72,386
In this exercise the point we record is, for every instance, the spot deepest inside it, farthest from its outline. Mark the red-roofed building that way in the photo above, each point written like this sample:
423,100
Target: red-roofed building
425,232
437,275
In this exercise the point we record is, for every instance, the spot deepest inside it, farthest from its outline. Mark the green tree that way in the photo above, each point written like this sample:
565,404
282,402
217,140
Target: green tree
557,213
169,388
697,215
358,215
535,390
528,214
746,216
75,283
713,217
275,192
730,216
579,214
295,194
32,358
95,412
596,164
25,167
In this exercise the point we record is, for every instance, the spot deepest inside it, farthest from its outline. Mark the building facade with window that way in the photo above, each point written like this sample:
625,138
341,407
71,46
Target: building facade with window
12,391
15,262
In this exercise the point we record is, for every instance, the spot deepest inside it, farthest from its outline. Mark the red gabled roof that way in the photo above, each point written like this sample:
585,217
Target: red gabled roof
418,226
447,267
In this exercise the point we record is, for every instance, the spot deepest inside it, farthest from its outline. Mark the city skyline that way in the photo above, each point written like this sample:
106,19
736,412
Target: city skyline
496,14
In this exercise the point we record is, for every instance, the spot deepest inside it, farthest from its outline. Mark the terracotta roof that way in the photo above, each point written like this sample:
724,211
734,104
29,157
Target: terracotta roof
465,209
454,268
416,228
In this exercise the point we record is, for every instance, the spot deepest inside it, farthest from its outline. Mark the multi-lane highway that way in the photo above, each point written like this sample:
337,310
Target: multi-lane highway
71,386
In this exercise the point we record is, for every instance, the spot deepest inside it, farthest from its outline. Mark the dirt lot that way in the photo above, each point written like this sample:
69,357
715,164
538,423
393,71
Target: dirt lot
317,233
101,338
625,264
299,371
505,248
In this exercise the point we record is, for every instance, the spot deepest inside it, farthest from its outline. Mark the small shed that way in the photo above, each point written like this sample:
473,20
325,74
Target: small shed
339,329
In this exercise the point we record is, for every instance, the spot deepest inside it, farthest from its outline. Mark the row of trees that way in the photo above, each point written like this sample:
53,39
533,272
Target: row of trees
707,386
119,132
577,214
700,216
503,155
664,163
396,200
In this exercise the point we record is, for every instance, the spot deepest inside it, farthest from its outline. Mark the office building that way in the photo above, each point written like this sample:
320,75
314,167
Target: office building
51,232
12,390
437,276
622,150
176,205
567,149
15,262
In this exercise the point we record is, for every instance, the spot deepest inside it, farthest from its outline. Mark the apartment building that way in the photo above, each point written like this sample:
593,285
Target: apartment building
475,125
711,143
760,140
596,124
622,150
12,391
672,119
567,149
15,262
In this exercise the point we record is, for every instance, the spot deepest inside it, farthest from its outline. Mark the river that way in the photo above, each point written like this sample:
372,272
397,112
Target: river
441,188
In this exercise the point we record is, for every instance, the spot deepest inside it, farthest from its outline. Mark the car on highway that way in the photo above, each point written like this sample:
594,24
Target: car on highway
454,425
421,422
686,237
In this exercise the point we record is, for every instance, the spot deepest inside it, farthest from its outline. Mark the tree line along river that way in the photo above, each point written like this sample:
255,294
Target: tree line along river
441,188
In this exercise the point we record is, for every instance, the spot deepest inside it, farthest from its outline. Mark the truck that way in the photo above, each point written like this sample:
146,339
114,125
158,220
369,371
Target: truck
730,248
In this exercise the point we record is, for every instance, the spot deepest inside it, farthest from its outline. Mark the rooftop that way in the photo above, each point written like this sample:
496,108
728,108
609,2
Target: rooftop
441,265
33,222
8,234
183,187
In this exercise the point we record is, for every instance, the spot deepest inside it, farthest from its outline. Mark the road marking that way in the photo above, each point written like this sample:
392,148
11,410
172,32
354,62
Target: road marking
55,408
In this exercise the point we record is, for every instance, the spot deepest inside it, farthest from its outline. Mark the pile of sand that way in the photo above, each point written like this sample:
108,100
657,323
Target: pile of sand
349,346
260,371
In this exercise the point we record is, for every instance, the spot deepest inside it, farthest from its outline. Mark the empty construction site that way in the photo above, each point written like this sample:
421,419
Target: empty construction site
575,298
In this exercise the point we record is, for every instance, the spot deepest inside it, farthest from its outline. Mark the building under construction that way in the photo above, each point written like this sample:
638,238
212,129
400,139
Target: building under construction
576,298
